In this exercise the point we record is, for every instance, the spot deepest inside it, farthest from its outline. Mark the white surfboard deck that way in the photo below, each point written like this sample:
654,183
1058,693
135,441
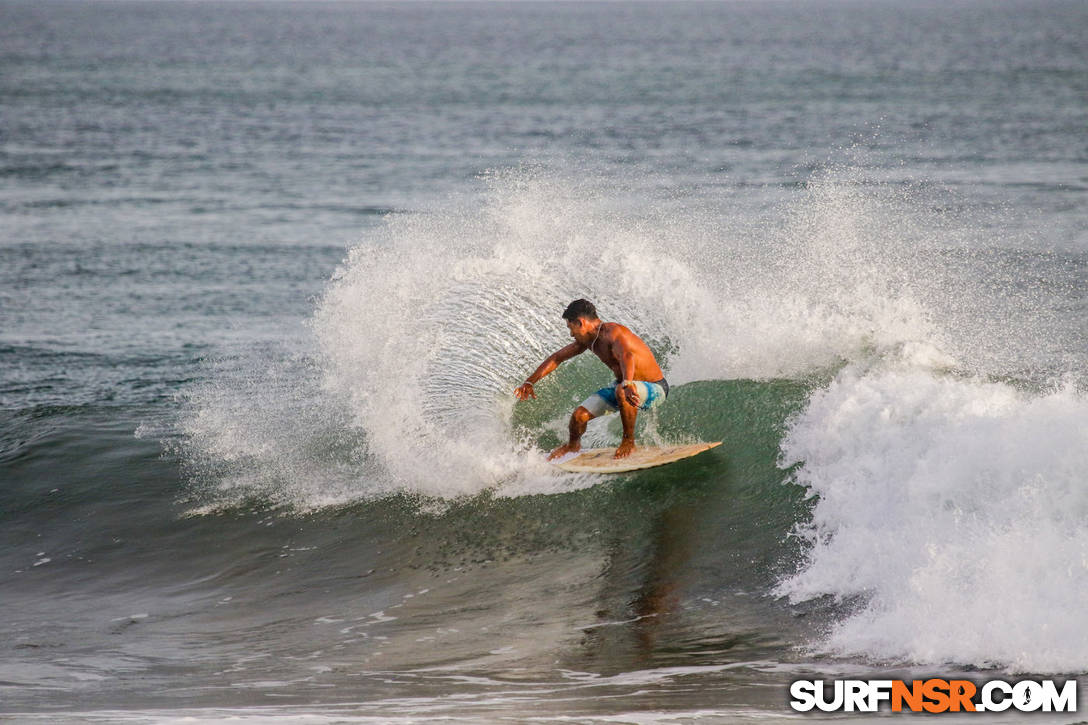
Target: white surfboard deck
600,460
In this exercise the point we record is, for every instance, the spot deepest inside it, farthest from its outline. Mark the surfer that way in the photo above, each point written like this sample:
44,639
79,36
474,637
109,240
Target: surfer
640,384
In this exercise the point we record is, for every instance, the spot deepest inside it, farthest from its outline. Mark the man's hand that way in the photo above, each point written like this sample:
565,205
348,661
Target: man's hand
525,391
630,394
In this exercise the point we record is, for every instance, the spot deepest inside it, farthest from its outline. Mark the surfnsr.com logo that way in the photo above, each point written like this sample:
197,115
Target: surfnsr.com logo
933,695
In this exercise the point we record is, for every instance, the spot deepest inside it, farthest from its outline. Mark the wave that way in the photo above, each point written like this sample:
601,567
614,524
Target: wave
903,365
428,325
954,510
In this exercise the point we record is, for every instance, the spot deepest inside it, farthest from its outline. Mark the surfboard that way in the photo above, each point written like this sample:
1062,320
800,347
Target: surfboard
600,460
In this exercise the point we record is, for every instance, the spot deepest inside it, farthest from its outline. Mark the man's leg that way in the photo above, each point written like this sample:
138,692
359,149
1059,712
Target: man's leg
628,414
578,421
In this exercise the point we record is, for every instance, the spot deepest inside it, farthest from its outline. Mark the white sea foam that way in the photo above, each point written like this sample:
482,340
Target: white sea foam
956,510
431,321
426,330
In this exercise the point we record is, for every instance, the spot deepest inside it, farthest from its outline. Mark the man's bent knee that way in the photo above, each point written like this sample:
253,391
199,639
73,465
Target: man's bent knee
582,415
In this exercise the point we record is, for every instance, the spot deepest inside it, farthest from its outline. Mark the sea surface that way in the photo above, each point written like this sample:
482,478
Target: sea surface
271,271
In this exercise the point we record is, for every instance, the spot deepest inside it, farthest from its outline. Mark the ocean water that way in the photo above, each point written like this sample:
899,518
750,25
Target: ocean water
270,272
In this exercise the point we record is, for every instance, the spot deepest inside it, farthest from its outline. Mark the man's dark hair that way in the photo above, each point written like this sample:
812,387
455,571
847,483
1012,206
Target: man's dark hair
580,308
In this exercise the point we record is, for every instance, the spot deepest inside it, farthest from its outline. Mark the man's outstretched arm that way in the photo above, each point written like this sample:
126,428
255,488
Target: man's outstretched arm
526,389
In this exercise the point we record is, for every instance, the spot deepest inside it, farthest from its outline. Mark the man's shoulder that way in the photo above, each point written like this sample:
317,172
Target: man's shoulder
617,332
613,327
617,329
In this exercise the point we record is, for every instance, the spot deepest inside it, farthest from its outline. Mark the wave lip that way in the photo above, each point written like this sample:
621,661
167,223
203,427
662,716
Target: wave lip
955,511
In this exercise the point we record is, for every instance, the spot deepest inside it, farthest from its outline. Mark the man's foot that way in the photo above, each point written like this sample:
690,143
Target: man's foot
625,449
564,450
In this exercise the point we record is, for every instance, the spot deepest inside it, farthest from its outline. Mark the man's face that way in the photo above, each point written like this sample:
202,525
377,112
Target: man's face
578,329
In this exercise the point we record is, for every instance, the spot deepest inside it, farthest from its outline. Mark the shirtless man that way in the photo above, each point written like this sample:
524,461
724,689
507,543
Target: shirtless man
640,384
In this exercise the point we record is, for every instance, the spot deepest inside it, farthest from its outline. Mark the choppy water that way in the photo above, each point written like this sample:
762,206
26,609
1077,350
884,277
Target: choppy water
269,273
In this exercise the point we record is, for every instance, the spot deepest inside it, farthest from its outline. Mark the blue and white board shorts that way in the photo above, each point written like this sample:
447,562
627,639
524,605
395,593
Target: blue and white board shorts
650,396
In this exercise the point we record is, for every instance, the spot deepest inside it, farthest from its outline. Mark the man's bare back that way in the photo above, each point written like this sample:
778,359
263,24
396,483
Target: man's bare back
616,341
631,361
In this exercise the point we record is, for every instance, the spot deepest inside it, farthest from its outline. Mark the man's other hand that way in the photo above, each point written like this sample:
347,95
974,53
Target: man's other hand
525,392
